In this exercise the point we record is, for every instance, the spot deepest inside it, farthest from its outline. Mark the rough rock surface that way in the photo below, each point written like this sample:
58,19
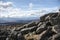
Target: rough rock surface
48,28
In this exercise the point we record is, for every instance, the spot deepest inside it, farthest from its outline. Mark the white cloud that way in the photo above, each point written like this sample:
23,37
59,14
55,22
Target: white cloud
30,6
7,10
5,5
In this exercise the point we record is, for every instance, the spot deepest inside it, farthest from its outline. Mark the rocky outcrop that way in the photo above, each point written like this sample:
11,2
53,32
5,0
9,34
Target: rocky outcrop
48,28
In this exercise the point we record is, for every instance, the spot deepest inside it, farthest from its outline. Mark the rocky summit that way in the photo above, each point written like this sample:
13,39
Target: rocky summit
48,28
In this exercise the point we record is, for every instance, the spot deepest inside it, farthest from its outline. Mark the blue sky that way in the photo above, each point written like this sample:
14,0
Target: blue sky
27,8
36,3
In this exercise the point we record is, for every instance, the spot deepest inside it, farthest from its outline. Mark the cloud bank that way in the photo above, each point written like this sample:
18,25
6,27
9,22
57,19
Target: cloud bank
7,9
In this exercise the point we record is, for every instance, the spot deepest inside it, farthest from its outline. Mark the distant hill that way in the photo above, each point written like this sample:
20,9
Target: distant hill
11,21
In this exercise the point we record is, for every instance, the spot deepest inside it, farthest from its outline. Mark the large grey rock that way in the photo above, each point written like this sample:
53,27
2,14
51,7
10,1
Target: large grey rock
55,37
47,34
27,30
41,29
56,28
31,24
54,18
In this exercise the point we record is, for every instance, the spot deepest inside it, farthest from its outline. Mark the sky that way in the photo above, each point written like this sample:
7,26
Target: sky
27,8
